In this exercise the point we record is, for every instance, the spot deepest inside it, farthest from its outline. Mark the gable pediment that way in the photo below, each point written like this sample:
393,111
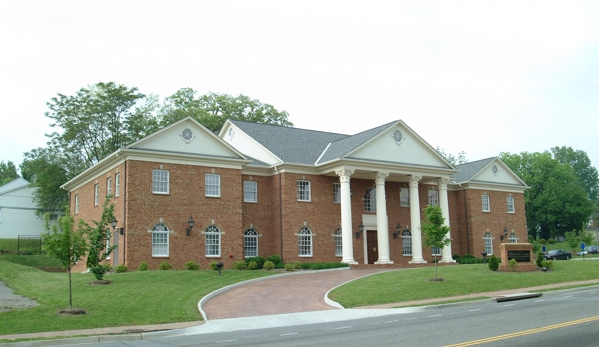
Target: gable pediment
497,172
399,144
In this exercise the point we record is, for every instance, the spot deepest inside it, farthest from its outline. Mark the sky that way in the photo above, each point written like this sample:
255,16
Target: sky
482,77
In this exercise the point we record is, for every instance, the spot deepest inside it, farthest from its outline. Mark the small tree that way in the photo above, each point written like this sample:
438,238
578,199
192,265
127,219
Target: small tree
493,263
66,244
434,229
572,240
99,236
586,238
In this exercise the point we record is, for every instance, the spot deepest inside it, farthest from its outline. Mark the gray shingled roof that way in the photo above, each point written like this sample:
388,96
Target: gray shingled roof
291,145
469,170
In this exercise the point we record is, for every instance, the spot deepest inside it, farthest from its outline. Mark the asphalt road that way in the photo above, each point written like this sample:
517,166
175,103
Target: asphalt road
568,318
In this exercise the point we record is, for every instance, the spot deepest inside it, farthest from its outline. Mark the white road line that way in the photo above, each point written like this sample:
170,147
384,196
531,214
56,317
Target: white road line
391,321
508,305
568,296
341,328
224,341
435,315
288,334
476,309
540,300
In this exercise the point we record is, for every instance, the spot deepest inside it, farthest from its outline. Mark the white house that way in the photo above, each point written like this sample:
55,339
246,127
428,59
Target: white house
17,210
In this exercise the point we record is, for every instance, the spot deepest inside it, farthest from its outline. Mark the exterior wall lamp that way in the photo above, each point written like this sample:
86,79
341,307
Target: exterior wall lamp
113,223
361,226
190,222
397,231
504,236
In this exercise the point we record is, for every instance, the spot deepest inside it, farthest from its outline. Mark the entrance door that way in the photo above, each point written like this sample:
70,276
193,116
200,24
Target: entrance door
372,246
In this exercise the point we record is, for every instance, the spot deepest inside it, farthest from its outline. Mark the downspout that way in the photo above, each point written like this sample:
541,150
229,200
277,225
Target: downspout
467,221
125,215
280,214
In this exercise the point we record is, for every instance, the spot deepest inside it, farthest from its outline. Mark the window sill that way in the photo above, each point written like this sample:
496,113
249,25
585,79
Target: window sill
213,256
160,256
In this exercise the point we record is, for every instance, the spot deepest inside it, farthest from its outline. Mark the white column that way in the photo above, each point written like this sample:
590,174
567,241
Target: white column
346,219
444,204
382,227
415,220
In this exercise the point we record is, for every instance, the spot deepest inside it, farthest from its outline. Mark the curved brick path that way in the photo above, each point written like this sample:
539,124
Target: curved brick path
301,292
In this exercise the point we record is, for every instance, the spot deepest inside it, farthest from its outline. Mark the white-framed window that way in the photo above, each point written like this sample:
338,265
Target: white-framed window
212,185
433,197
436,251
96,194
370,200
250,191
488,243
76,203
513,238
338,243
304,239
337,193
510,205
406,242
404,197
250,243
160,240
108,244
212,241
117,184
486,203
160,181
303,190
109,186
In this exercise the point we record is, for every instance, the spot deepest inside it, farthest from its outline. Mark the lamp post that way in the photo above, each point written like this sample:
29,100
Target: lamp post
190,223
397,231
361,226
504,236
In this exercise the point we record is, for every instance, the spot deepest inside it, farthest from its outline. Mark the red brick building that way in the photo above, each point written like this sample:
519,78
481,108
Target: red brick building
305,195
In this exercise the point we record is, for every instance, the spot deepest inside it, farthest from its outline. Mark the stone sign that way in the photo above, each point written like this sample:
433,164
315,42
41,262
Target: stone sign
522,252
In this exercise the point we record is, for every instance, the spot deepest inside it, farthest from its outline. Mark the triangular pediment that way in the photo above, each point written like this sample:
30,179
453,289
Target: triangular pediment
187,136
487,171
398,143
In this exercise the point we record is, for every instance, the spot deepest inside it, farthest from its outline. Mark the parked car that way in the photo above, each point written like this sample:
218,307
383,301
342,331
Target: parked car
590,250
556,254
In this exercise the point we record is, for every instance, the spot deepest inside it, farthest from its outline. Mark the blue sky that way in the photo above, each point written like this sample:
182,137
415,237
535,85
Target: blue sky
482,77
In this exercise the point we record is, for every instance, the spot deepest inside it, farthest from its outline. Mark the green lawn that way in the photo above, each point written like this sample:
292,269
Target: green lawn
413,284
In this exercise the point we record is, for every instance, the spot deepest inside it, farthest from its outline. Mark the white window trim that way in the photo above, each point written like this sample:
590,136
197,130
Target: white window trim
309,190
255,191
370,200
338,238
487,203
168,182
485,238
257,236
109,186
337,193
434,199
311,244
96,194
117,184
403,246
407,191
512,205
168,242
76,203
220,243
218,186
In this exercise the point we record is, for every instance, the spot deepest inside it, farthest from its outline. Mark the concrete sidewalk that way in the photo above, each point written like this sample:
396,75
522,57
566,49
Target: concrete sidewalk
287,299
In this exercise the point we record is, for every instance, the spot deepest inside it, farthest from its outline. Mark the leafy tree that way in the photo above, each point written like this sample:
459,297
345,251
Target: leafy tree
586,238
47,170
213,109
572,240
67,245
434,229
556,201
581,164
99,236
453,160
8,172
94,122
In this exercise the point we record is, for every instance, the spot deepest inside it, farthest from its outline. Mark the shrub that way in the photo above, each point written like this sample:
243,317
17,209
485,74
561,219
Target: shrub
143,266
297,265
547,264
192,265
259,262
512,265
542,241
165,265
107,267
240,265
276,260
213,265
289,267
319,266
493,263
540,258
551,241
253,265
268,265
120,268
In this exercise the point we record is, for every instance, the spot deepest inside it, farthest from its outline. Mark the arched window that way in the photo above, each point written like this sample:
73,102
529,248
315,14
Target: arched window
436,251
370,200
513,238
160,240
212,241
250,243
406,242
488,243
338,243
305,242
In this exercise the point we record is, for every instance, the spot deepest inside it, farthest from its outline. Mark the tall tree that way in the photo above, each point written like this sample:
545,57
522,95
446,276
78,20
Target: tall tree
434,229
581,164
556,201
453,160
213,109
99,237
8,172
93,122
66,244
